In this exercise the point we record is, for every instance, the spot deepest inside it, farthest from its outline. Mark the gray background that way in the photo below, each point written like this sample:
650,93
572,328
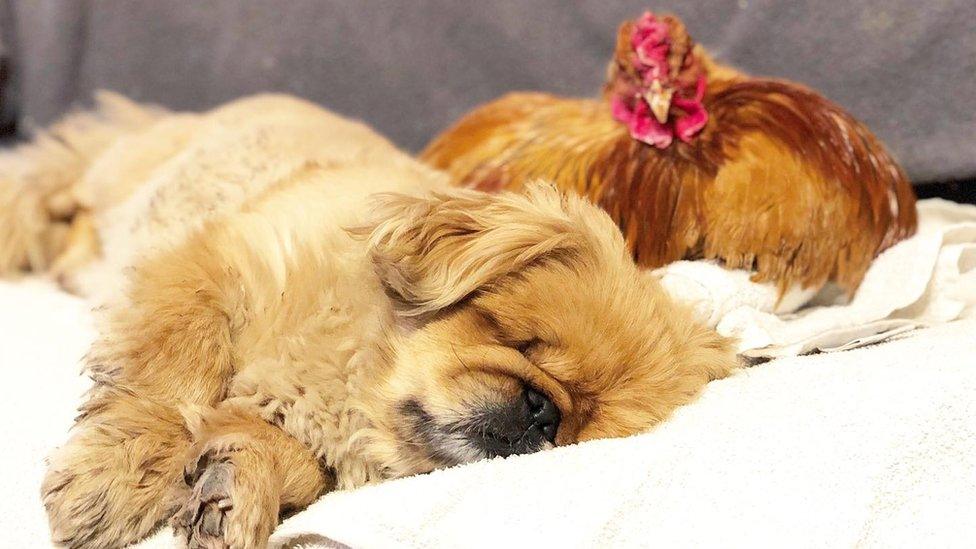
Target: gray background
409,68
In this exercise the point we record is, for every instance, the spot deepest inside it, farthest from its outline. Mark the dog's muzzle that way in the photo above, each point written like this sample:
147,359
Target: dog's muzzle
527,424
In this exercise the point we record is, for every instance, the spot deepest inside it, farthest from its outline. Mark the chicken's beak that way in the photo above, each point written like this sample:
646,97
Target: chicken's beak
659,99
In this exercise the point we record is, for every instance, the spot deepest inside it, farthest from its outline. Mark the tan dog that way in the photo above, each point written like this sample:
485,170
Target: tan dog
257,352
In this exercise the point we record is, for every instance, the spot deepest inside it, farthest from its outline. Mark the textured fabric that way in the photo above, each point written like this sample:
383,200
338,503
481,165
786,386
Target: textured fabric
908,69
925,280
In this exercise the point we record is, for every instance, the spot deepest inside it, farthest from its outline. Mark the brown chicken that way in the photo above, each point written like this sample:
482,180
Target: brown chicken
763,174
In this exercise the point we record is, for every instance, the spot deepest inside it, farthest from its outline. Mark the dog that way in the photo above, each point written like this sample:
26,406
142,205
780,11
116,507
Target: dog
291,305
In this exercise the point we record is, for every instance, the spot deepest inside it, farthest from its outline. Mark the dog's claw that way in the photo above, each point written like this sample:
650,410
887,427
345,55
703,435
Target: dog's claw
210,523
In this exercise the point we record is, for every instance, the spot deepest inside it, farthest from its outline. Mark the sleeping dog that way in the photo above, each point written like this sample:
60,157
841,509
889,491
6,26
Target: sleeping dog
292,306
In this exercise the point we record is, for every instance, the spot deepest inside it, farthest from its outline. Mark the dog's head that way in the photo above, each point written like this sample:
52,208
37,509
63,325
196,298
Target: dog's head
529,326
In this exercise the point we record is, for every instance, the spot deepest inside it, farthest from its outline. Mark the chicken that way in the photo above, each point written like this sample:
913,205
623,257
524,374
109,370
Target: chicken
693,159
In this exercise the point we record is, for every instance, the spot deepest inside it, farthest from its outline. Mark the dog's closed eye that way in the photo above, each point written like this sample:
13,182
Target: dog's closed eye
526,347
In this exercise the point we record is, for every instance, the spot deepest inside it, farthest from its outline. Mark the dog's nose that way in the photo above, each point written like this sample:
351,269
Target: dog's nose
544,414
521,427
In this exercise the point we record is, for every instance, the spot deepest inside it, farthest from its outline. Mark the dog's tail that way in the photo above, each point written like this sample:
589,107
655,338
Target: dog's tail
37,201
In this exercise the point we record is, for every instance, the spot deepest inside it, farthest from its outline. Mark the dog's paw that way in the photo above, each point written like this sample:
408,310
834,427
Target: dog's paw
202,520
221,511
74,506
22,225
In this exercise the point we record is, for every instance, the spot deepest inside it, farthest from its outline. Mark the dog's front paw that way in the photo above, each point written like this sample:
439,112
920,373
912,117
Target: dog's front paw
203,517
227,506
76,505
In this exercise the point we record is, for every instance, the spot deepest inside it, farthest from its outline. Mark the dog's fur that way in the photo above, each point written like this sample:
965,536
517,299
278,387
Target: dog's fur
278,324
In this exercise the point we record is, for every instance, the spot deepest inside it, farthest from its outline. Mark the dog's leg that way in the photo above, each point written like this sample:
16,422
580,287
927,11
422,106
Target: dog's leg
242,474
37,178
113,482
169,345
80,246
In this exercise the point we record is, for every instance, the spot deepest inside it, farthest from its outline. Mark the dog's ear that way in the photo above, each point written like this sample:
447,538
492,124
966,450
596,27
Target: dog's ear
432,251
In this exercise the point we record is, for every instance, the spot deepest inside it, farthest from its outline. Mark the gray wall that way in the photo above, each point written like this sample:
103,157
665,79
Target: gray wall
410,67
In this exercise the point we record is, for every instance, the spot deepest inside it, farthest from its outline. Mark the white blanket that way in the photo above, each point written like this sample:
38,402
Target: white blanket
871,447
44,333
875,447
925,280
